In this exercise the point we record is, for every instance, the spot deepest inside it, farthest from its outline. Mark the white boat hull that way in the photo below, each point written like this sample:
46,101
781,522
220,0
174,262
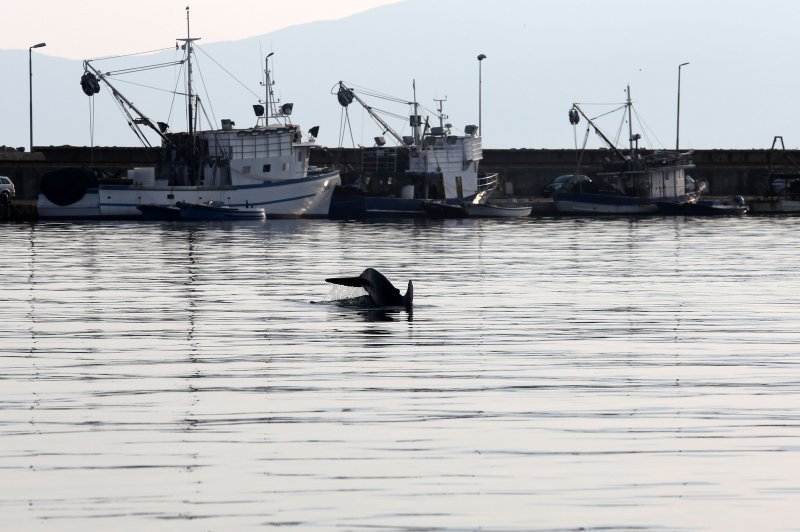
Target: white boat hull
283,198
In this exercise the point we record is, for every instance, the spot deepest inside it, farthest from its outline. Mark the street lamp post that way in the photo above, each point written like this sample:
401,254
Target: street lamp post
30,87
678,125
480,60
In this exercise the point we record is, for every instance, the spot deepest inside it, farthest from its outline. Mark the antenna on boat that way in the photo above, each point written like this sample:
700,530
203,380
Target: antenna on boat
269,96
416,120
442,116
273,111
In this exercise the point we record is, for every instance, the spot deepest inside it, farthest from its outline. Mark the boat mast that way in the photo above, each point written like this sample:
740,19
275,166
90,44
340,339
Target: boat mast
416,118
189,94
630,123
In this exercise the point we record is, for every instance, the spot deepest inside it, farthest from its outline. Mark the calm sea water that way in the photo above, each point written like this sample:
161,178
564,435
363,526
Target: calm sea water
565,374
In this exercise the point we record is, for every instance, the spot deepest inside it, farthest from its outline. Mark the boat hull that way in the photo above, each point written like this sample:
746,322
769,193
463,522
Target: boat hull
194,211
775,206
347,206
702,208
578,203
282,198
160,212
440,209
497,211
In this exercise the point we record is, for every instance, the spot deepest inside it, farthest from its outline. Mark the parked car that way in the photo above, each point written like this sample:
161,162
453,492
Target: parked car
555,184
7,187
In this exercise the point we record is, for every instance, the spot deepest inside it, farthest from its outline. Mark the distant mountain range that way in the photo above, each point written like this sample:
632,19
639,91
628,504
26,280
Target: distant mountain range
737,92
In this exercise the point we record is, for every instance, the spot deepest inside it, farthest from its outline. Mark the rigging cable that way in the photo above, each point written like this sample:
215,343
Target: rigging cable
134,70
175,92
646,128
129,55
91,128
583,148
208,98
248,89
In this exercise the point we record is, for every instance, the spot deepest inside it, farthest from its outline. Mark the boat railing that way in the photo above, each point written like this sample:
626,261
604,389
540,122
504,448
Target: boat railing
487,182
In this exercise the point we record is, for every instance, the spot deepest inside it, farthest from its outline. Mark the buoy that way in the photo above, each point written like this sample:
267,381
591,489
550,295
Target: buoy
574,117
89,84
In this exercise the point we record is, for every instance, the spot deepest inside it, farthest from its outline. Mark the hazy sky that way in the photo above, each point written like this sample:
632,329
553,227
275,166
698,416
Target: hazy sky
92,28
739,90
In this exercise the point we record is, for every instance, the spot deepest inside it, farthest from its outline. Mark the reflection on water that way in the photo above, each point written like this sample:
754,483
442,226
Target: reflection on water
555,374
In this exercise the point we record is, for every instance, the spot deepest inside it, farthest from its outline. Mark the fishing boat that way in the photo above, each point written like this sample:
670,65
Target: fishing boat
433,163
263,166
633,184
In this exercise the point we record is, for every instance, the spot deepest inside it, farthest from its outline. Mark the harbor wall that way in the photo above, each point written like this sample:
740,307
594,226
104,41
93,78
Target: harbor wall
522,172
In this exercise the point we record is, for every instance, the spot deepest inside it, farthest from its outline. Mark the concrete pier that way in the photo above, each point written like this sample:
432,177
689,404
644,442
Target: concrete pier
523,172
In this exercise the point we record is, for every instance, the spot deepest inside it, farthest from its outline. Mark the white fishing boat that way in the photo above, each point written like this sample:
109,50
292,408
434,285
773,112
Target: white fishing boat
265,166
438,164
635,184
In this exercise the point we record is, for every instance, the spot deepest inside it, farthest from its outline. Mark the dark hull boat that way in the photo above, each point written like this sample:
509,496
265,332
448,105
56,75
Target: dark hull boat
431,164
634,184
735,207
200,211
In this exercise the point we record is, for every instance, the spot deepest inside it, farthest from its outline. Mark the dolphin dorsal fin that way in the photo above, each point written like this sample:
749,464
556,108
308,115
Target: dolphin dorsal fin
408,299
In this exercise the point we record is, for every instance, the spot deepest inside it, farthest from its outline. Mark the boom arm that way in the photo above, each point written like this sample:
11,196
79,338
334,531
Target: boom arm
346,95
597,130
127,104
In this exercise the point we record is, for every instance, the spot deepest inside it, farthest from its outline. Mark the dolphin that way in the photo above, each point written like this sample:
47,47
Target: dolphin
380,290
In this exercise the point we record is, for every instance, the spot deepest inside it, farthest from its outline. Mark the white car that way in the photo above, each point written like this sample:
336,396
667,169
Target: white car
7,187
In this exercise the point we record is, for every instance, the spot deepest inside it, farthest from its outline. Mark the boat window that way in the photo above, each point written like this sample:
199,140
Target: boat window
267,168
285,167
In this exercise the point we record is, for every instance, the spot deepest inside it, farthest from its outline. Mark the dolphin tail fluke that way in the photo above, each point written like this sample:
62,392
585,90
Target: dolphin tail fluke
348,281
408,299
